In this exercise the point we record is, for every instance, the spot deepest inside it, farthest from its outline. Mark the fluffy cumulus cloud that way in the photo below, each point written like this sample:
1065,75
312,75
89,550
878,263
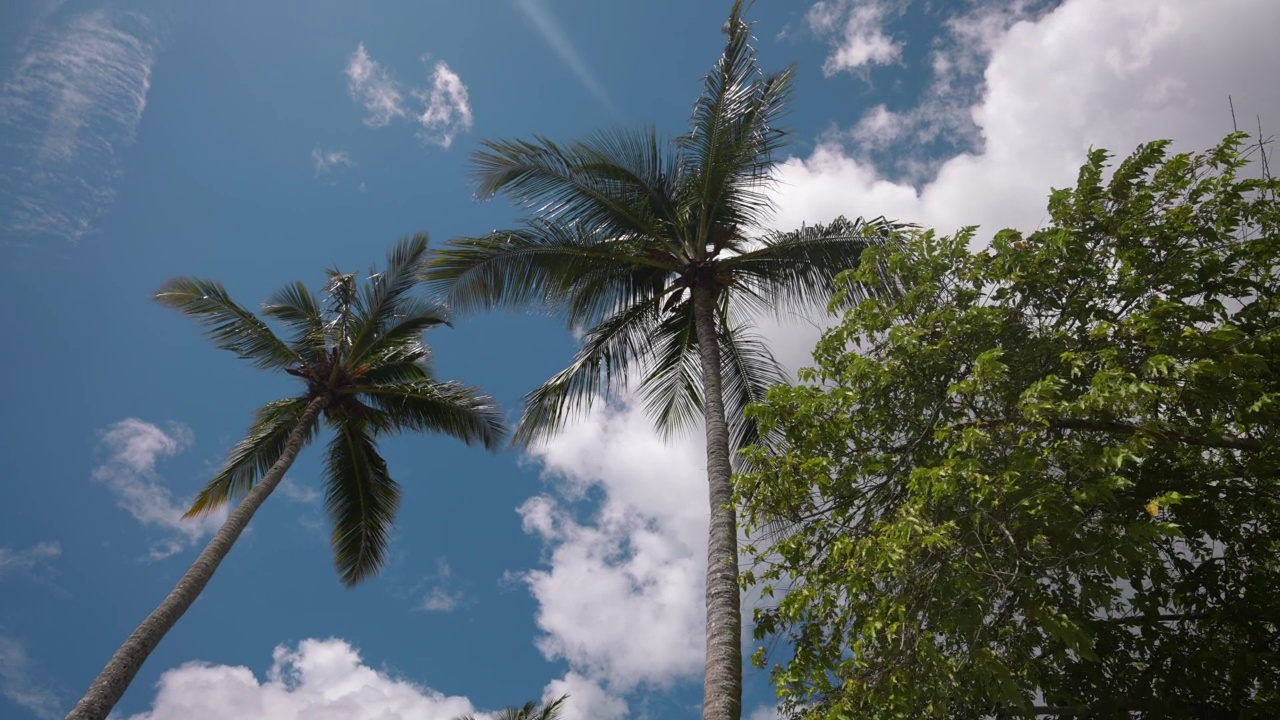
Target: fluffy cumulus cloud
317,680
444,110
68,110
857,34
22,685
620,597
133,449
1090,73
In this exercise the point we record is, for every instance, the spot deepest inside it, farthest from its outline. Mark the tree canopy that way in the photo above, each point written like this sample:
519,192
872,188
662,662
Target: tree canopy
1040,478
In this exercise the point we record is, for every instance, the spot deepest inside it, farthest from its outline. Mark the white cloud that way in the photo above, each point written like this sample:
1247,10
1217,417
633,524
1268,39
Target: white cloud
68,110
587,700
1152,69
856,29
765,712
301,494
620,597
442,596
32,559
130,473
317,680
374,88
325,161
544,22
21,685
448,112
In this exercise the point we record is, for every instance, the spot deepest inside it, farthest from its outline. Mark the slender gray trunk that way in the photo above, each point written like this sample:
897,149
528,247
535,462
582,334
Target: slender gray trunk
722,689
114,679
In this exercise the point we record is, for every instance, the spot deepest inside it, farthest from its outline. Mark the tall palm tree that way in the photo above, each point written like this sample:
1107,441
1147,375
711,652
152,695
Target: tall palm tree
365,374
530,711
658,250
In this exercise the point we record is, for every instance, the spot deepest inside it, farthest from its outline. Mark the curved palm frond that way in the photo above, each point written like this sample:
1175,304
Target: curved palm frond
748,371
383,299
449,408
671,390
797,269
230,326
299,309
253,456
402,328
613,182
598,368
361,500
538,264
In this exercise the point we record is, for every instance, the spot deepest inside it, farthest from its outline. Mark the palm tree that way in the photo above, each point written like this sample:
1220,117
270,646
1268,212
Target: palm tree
530,711
657,250
366,374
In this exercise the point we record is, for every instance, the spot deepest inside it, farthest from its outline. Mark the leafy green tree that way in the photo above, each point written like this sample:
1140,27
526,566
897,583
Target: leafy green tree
365,373
647,246
1041,479
530,711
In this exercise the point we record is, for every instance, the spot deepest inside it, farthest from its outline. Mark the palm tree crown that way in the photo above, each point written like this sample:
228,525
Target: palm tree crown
629,226
359,350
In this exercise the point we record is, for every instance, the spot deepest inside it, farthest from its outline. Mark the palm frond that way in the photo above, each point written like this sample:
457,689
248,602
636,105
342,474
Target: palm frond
731,140
361,500
535,265
615,182
383,298
230,326
598,368
300,311
797,269
671,390
253,456
748,370
449,408
341,291
404,325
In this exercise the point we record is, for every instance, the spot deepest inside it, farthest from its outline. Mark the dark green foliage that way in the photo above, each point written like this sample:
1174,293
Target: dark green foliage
1042,478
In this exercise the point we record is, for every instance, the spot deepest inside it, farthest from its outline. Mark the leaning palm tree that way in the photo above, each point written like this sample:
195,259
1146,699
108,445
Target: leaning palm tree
365,374
530,711
658,251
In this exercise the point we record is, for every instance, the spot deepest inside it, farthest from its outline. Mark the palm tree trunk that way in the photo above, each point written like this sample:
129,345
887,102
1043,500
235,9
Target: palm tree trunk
722,689
114,679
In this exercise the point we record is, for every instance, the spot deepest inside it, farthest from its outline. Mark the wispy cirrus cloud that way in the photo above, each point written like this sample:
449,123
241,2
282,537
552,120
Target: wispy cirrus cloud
68,110
442,595
448,111
33,560
134,447
445,108
325,162
373,87
544,22
21,685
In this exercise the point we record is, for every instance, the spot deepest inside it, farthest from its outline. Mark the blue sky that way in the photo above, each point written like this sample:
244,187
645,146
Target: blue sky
260,142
